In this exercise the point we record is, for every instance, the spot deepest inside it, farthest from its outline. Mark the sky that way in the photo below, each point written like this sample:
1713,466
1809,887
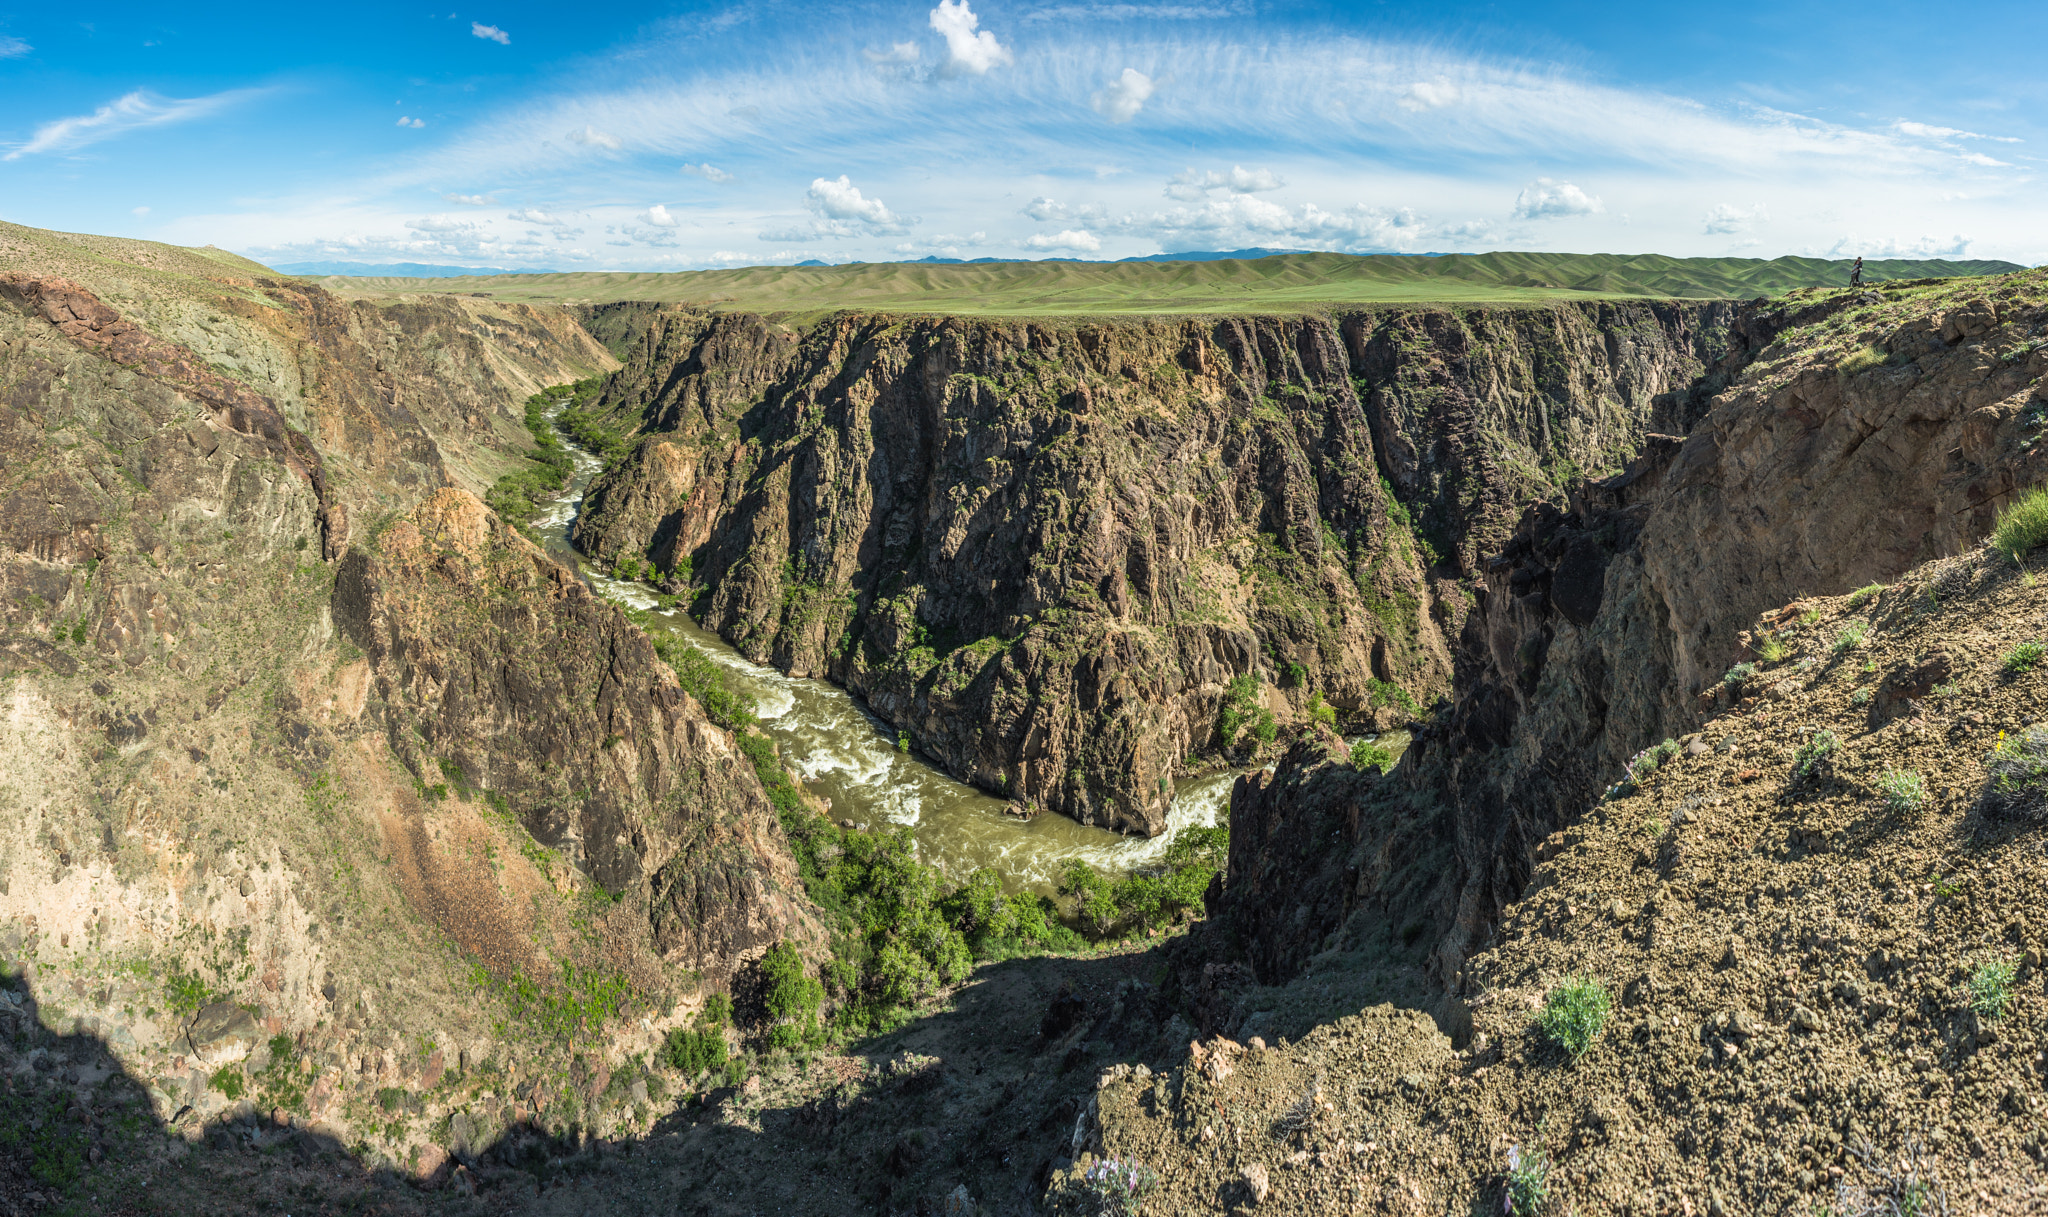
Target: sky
676,137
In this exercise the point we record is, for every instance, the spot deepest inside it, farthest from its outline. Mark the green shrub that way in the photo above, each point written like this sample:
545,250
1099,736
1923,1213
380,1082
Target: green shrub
1851,636
1365,755
2021,526
1739,675
1815,753
1386,693
791,995
2024,658
2018,769
1863,595
1990,988
229,1081
1528,1182
1239,708
693,1051
1321,712
1903,790
1651,759
1573,1014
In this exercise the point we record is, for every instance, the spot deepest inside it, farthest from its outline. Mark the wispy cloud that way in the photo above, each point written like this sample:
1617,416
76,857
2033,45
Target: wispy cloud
1925,131
403,121
1189,185
490,33
591,137
12,47
710,173
1725,218
122,115
470,200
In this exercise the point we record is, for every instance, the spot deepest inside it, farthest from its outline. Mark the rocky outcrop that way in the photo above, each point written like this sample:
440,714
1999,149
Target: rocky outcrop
1044,550
494,669
1843,439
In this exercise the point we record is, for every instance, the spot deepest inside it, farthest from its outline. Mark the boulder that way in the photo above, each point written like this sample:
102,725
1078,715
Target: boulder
223,1033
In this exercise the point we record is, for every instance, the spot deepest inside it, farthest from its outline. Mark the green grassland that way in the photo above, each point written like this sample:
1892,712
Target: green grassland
1282,283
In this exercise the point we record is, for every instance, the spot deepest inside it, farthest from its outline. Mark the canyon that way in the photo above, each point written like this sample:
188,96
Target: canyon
328,787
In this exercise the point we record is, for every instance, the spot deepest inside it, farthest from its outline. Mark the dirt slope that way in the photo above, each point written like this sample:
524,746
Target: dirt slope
1787,955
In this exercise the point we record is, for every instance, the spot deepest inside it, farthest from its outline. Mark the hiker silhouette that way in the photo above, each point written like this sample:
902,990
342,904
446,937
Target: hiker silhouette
1856,274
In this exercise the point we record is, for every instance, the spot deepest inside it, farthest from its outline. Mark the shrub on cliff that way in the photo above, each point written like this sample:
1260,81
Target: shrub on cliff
1573,1014
792,998
1142,902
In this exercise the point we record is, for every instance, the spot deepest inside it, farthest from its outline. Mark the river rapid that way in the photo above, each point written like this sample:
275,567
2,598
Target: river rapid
848,756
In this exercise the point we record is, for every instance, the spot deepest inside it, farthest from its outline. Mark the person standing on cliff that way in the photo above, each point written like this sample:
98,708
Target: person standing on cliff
1856,274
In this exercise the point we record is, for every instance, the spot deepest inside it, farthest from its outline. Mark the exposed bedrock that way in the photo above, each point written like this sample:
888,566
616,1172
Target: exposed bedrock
1043,550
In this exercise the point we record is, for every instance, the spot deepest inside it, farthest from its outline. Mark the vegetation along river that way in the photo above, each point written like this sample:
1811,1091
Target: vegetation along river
845,754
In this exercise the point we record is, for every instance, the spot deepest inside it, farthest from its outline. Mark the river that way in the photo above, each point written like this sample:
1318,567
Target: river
848,756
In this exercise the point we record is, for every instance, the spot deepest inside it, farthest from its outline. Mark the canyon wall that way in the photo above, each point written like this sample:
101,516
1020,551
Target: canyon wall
1044,550
1841,440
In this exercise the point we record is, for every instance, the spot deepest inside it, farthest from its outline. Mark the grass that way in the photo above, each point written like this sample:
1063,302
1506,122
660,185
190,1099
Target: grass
1903,789
1851,636
1288,282
2018,770
1772,649
1862,359
1990,988
1573,1014
1864,595
2021,526
2024,658
1528,1182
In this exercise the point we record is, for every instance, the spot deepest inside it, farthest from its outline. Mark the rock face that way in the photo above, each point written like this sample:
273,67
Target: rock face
1043,551
1841,440
493,668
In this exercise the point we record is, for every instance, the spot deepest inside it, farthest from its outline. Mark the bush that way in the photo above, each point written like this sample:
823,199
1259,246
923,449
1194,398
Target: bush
694,1051
1139,903
1990,988
1321,712
229,1081
791,995
1116,1187
1366,755
1528,1182
1851,636
1863,595
1815,753
2024,658
1573,1014
1739,675
2018,768
2021,526
1650,759
1903,790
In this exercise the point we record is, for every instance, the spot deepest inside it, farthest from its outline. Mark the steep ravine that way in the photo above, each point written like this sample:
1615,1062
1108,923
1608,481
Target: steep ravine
1045,551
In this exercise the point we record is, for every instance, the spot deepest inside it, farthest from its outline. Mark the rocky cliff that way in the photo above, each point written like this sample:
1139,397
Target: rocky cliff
1842,439
1044,551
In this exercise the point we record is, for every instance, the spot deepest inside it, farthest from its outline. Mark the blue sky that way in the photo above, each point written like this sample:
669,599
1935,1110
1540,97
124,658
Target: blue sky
678,137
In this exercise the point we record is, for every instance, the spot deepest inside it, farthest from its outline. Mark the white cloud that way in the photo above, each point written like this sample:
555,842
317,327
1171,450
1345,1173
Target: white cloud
966,50
1726,218
1046,209
470,200
490,33
900,54
1428,95
658,216
840,199
1893,247
709,172
1075,239
1544,198
131,112
1189,186
140,211
411,122
443,224
1924,131
1120,100
12,47
592,137
529,215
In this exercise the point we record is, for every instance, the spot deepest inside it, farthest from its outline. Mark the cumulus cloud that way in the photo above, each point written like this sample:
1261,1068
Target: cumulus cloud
124,114
1047,209
1428,95
1726,218
967,52
443,224
658,216
1544,199
590,136
1894,247
12,47
709,172
530,215
1078,240
839,199
1120,100
403,121
1190,186
490,33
